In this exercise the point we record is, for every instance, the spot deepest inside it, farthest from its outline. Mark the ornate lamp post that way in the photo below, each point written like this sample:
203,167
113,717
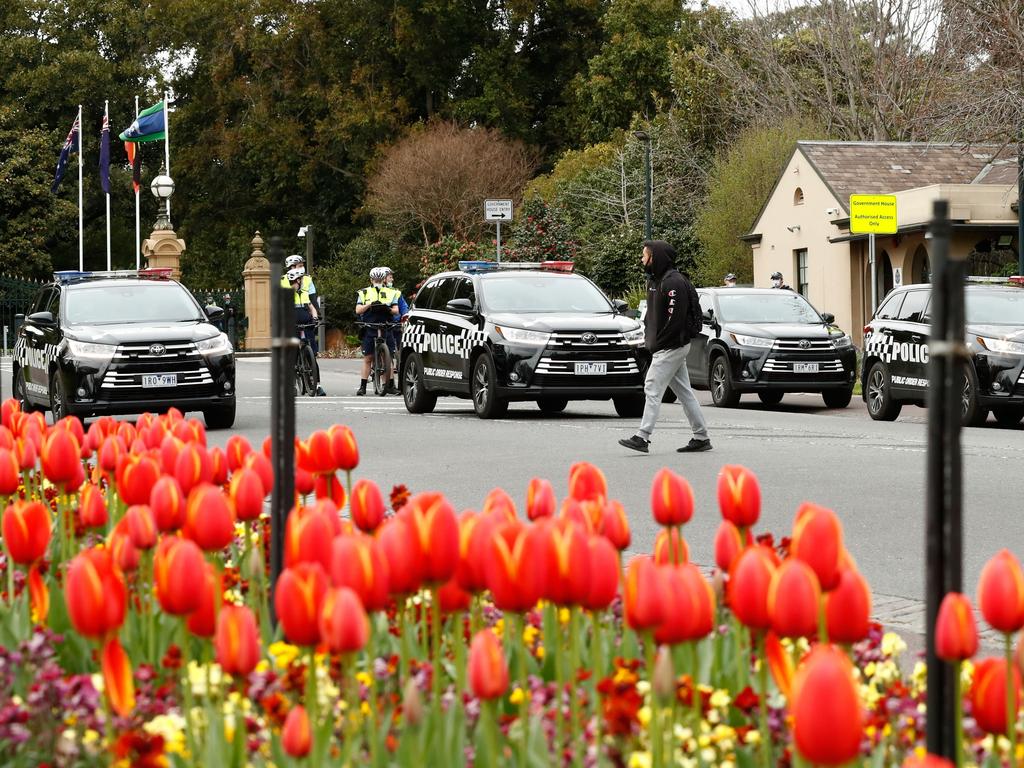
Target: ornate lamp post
162,188
648,191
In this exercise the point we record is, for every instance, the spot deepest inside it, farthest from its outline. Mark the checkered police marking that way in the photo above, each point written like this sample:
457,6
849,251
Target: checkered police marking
415,337
886,349
39,359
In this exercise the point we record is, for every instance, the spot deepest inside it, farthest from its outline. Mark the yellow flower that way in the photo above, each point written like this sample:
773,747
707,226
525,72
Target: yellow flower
540,651
892,644
869,669
720,699
564,615
752,737
90,737
644,716
283,653
364,678
708,756
640,760
499,628
172,728
517,696
364,707
530,633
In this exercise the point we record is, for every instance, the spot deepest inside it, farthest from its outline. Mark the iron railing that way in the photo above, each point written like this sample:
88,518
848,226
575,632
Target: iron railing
16,297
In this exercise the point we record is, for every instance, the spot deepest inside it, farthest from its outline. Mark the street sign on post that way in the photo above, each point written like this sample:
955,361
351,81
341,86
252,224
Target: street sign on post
498,211
873,215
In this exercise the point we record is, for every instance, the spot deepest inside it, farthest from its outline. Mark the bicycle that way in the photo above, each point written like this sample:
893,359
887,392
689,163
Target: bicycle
380,370
307,374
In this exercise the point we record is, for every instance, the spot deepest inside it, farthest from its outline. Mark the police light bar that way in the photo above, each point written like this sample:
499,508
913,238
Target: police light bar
557,266
491,266
156,273
477,266
67,275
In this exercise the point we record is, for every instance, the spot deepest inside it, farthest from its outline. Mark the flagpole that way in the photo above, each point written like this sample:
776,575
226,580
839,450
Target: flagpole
81,219
167,154
106,119
138,233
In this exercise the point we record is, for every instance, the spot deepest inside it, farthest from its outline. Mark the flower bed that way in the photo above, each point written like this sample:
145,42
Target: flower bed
137,621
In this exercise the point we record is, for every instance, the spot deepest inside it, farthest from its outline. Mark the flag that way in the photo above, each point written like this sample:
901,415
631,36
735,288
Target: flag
70,145
135,161
148,126
105,154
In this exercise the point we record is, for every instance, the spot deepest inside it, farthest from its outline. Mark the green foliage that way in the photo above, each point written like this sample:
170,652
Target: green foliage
613,260
542,232
740,181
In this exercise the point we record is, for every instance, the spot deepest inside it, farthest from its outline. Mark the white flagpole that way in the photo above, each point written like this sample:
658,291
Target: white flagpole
167,154
138,233
81,219
106,119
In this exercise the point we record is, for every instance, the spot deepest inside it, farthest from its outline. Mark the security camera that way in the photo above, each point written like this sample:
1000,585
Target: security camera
794,228
831,212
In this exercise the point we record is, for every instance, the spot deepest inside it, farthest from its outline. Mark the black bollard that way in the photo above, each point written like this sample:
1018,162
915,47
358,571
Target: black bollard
944,494
284,348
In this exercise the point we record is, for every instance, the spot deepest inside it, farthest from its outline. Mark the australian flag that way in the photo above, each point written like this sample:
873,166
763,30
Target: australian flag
105,155
70,145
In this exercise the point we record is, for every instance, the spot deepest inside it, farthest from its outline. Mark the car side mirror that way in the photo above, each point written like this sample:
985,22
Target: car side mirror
633,313
41,318
828,317
620,306
462,306
213,312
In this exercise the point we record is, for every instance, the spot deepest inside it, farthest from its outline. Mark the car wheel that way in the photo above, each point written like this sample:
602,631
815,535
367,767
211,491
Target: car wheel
1009,415
220,417
58,397
972,414
484,389
417,399
770,398
21,392
881,405
722,393
837,398
552,404
630,406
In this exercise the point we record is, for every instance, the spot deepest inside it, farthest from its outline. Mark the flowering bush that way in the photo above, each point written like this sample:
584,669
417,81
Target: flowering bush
139,626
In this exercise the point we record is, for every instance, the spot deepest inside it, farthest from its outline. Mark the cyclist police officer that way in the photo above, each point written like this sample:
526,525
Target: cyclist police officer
376,304
306,312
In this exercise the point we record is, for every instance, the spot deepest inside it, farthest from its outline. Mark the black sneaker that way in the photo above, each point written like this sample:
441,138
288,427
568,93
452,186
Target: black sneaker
320,391
361,391
391,389
694,446
635,442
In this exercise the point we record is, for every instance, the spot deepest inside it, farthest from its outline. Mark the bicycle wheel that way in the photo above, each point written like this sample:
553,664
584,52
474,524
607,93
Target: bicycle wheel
308,362
381,367
301,379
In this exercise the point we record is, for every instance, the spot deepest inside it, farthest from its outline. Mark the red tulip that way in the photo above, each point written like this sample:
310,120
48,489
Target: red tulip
178,575
237,640
367,505
728,545
193,467
317,454
8,410
405,566
95,593
170,448
573,511
848,608
794,598
168,504
500,503
298,600
587,482
305,482
247,493
126,554
141,526
26,530
818,541
27,453
110,452
92,507
515,565
308,537
136,476
643,594
344,627
452,598
604,574
261,465
927,761
296,736
749,582
739,496
236,451
615,525
988,694
540,499
357,562
677,609
488,672
703,620
671,498
435,530
780,664
1001,592
202,622
117,678
670,548
344,449
218,466
38,595
209,518
329,487
826,709
10,471
567,570
61,456
956,635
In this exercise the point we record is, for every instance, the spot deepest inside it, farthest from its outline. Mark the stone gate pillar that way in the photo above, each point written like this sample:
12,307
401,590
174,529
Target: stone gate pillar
256,276
164,249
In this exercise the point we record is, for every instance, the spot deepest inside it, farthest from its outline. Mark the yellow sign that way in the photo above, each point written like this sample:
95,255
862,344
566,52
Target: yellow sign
873,213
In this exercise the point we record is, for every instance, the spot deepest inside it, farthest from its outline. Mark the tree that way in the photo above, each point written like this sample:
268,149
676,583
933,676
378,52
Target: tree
740,181
435,180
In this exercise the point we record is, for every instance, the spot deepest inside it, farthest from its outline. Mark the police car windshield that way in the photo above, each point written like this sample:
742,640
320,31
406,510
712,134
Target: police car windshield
776,307
542,293
124,302
1004,307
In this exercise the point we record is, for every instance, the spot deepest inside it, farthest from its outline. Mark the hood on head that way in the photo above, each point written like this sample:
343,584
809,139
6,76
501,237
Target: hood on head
663,256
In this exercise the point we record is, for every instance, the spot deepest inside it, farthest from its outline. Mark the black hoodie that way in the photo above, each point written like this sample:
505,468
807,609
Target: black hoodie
668,299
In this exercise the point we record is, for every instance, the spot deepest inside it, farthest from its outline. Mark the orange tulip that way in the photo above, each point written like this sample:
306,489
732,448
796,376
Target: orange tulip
138,519
1001,592
500,503
38,595
643,594
209,518
109,454
92,507
192,467
573,511
956,635
329,487
298,599
202,622
615,525
677,609
671,498
26,530
567,568
780,664
126,554
168,504
344,449
670,548
728,545
367,505
136,476
540,499
826,709
344,627
117,678
604,573
358,563
475,532
95,593
236,450
308,537
488,672
405,565
818,541
259,463
178,575
452,598
10,471
9,409
247,493
794,597
218,466
26,452
848,608
515,565
435,530
587,482
170,447
317,454
988,694
739,496
927,761
296,736
237,640
749,582
703,620
61,456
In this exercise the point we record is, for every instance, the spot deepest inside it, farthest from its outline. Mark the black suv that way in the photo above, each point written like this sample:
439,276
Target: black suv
520,332
123,342
770,342
895,369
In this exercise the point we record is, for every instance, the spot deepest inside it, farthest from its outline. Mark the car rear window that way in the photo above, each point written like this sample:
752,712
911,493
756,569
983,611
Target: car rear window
125,302
542,293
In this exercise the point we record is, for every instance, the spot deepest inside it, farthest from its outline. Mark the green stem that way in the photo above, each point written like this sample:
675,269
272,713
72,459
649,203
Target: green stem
435,643
489,713
475,620
655,724
1011,699
524,703
958,714
556,643
574,666
822,621
186,686
403,657
311,694
695,704
10,581
762,684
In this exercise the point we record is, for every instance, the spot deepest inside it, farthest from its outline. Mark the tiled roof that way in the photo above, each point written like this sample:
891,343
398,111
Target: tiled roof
868,167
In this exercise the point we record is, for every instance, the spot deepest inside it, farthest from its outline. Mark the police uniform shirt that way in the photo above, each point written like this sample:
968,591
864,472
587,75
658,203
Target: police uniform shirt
306,290
386,296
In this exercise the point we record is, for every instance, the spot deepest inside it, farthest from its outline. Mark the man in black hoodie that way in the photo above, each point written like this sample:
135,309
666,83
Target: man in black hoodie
666,336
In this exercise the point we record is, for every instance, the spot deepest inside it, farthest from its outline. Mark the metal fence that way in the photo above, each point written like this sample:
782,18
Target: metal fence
16,296
232,301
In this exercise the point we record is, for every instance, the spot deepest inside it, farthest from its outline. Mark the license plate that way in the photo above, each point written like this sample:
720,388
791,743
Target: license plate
591,369
805,367
160,380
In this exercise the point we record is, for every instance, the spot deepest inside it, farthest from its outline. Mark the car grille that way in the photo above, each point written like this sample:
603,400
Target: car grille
802,345
123,379
771,365
596,340
557,366
548,365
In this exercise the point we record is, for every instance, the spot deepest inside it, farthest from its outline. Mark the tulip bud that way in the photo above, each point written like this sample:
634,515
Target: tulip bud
848,608
956,636
643,594
26,531
818,541
615,525
671,498
202,622
117,677
247,492
136,476
141,526
344,627
794,598
296,736
927,761
178,574
604,574
60,455
452,598
664,676
1001,592
168,504
412,703
308,538
126,554
358,563
540,499
236,450
500,503
988,694
749,582
728,545
95,593
237,640
298,599
38,594
436,532
515,565
488,672
670,548
92,507
344,449
587,482
10,472
209,518
192,467
367,505
405,565
567,566
826,709
261,465
218,466
739,496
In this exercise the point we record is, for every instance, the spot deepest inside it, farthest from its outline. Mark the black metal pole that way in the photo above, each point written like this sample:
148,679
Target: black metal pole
648,190
1020,202
943,528
282,410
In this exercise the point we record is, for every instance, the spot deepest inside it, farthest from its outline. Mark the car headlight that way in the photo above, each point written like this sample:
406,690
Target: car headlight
840,342
88,351
215,345
752,341
522,336
1001,345
634,338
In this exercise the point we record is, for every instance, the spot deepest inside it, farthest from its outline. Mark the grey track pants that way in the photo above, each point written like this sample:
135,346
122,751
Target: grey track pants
668,369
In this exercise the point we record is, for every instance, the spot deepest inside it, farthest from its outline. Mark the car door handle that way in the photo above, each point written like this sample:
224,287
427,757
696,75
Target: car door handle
915,337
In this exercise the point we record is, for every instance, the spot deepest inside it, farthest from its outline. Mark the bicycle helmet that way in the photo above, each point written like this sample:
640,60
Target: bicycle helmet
293,260
379,274
294,274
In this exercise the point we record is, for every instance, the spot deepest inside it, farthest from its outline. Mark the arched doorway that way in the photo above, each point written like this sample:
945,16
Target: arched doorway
883,275
920,266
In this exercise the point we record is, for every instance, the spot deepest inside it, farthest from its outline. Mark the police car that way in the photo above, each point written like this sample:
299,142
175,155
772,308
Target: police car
895,369
520,332
123,342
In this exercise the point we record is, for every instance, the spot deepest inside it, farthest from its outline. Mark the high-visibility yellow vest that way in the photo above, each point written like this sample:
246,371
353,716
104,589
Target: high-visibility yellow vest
302,295
383,294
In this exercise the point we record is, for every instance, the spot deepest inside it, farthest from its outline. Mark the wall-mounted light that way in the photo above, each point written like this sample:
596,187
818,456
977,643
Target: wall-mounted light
794,228
1005,241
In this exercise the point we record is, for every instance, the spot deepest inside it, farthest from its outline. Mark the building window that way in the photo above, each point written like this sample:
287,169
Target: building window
801,272
798,197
